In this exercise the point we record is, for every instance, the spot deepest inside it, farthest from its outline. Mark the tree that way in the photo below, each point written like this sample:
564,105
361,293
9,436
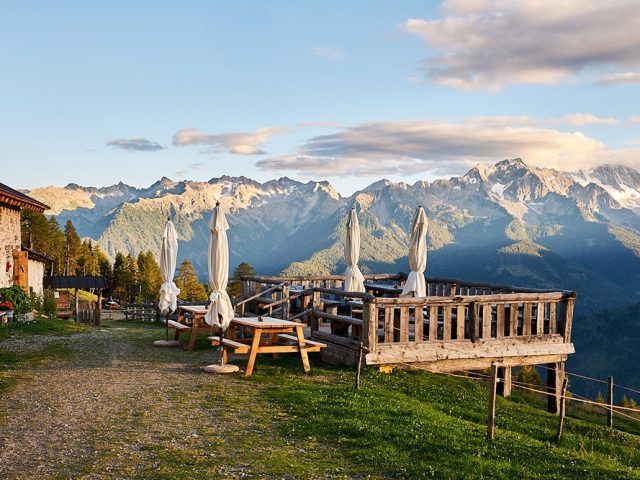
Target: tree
528,374
149,276
187,281
73,247
125,277
234,289
599,397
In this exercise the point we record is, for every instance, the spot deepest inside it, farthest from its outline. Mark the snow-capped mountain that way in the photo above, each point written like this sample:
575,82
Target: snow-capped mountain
508,222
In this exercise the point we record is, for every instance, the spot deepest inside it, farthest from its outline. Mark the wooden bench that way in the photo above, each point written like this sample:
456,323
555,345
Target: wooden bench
238,347
178,326
309,345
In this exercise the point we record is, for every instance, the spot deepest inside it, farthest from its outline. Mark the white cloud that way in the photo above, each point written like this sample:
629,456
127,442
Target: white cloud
589,119
329,52
488,44
135,144
237,143
620,78
575,119
386,148
635,119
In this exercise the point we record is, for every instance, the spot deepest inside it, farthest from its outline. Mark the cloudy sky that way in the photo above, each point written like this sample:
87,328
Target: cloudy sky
345,91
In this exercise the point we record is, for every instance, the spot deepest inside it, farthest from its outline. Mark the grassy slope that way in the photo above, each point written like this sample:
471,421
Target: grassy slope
404,425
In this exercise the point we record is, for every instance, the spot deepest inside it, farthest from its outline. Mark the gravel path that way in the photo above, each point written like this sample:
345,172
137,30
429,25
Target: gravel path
120,408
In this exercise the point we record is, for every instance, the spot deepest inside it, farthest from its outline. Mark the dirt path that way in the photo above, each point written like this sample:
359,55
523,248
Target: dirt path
119,408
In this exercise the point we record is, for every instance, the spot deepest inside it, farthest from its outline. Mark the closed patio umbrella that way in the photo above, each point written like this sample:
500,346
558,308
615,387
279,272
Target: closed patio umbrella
168,254
415,285
353,279
220,311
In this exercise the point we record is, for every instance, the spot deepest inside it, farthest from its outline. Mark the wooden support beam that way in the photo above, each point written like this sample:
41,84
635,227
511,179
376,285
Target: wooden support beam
369,326
555,377
504,387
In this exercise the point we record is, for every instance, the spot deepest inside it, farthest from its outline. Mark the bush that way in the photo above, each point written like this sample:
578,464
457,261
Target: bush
49,307
16,296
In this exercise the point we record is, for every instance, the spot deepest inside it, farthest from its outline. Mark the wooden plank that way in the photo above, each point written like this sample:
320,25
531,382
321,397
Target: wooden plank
474,322
345,342
526,319
404,324
456,365
486,320
446,322
433,323
460,325
513,320
454,349
388,324
552,318
568,320
370,326
500,311
493,298
418,327
294,338
540,314
338,318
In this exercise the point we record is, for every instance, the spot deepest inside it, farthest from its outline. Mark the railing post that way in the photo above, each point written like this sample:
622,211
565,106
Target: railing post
285,305
369,325
504,387
474,321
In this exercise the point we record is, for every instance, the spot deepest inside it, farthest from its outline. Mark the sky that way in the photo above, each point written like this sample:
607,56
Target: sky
95,93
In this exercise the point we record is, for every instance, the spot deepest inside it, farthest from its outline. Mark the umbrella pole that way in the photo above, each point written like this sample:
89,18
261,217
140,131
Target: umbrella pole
166,322
221,349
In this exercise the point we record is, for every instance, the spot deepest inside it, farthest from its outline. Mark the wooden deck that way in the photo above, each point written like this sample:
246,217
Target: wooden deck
458,326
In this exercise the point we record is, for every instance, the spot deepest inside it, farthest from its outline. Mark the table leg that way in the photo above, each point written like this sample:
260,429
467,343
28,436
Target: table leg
194,332
255,344
303,351
176,335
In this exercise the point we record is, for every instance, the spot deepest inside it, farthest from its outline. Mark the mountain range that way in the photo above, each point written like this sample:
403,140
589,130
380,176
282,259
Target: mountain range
508,223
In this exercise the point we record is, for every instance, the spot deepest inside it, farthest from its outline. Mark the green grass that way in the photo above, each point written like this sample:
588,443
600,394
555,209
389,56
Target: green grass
41,326
281,423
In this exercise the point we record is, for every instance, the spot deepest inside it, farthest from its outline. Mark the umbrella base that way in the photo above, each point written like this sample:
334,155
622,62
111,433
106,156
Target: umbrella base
166,343
217,368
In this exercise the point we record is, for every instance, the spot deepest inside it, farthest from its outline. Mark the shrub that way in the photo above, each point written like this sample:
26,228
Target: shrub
16,296
49,307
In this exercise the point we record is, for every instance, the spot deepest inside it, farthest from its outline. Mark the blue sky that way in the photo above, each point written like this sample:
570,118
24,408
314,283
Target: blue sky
95,93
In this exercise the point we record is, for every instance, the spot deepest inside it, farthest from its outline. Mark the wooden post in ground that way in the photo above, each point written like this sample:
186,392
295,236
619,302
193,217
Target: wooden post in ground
491,421
504,387
359,365
75,315
610,401
561,412
369,326
99,310
555,377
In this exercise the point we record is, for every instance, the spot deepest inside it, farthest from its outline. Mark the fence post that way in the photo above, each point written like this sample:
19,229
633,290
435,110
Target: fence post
285,305
610,401
563,402
504,387
491,421
369,325
555,377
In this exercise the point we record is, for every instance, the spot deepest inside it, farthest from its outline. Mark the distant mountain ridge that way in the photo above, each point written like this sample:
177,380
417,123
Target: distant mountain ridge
508,222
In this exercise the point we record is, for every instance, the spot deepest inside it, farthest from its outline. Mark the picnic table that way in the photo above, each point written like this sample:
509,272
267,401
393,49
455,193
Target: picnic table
268,335
190,320
383,289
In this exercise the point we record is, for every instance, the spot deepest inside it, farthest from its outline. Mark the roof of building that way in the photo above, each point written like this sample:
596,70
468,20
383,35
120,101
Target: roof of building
15,198
75,282
40,257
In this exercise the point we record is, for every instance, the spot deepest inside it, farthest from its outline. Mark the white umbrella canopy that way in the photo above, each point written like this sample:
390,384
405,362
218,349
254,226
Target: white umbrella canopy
168,254
220,311
415,285
353,278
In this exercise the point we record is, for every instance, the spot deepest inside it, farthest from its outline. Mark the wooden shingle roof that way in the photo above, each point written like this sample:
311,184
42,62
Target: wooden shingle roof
15,198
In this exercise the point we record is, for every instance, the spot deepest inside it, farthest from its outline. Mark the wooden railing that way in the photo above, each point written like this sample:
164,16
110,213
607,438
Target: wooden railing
456,320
